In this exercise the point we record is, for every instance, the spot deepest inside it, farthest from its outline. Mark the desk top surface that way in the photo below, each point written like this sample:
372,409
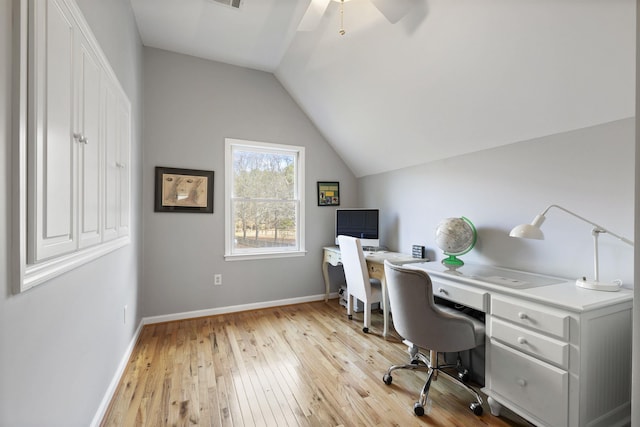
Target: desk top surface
549,290
380,256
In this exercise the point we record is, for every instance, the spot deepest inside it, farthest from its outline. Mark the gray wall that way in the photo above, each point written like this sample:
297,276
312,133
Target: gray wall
191,106
589,171
61,342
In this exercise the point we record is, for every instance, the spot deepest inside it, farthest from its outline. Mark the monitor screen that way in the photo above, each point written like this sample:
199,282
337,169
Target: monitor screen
360,223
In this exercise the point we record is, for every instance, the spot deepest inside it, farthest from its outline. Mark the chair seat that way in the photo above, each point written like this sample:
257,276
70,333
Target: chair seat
478,326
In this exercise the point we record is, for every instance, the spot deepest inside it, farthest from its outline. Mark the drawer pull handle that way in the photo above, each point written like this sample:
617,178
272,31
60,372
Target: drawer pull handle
522,382
443,291
523,316
522,341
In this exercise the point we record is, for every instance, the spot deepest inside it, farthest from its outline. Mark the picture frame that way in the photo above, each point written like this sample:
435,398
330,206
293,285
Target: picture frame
328,193
183,190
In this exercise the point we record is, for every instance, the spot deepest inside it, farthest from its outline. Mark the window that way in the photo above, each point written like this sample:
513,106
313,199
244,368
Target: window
264,194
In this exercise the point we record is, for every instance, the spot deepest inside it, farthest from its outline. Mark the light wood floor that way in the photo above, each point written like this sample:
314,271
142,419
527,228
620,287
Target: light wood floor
304,365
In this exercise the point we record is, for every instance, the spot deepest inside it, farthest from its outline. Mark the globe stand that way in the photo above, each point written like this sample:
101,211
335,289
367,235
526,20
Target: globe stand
452,262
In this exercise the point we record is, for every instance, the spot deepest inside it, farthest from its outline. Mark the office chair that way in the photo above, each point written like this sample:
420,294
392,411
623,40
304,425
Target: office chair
359,285
424,324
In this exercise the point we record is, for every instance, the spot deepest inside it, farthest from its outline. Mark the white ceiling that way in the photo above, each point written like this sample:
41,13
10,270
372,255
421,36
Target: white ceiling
449,78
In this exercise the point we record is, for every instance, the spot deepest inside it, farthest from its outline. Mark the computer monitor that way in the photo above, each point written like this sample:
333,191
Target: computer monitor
360,223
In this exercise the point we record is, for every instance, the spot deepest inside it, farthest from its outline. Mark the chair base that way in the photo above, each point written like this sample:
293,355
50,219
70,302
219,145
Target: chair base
419,362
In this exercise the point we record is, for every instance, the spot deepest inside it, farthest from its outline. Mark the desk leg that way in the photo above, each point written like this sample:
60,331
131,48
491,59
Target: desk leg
327,284
494,406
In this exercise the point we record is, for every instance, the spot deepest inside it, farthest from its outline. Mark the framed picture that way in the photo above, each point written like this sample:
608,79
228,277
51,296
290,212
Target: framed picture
328,193
183,190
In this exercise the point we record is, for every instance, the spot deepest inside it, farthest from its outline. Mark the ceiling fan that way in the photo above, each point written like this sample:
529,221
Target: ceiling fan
393,10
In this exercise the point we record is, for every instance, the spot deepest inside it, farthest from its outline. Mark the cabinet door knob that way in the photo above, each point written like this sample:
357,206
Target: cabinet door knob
523,316
80,137
522,340
522,382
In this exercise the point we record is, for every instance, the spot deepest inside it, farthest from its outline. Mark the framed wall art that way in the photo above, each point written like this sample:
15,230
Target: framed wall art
328,193
183,190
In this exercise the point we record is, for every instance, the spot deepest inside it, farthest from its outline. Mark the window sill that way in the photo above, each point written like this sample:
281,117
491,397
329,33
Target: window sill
264,255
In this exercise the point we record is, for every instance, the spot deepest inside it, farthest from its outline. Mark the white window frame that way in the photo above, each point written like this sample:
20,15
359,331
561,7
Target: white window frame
261,253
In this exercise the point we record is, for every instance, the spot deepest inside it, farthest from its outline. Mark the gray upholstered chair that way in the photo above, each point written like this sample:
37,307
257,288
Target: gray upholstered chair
359,285
424,324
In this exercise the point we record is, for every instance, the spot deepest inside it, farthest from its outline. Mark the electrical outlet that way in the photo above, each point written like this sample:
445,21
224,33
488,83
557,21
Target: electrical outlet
124,315
217,280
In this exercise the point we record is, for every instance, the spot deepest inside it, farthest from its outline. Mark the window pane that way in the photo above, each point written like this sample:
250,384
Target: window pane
264,224
262,175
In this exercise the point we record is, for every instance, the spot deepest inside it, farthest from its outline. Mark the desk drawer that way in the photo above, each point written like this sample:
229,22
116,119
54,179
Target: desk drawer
540,346
543,319
376,270
535,386
332,257
474,298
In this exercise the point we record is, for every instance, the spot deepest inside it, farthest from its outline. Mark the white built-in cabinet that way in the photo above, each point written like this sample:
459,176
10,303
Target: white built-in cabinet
75,148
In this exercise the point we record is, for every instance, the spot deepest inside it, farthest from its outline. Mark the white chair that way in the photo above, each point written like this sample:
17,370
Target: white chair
427,325
359,285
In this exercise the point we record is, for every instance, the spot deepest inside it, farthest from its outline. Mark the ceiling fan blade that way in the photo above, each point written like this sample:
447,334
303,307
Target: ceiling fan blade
312,16
394,10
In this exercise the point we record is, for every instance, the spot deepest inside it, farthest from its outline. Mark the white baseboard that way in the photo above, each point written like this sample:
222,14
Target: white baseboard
233,309
104,404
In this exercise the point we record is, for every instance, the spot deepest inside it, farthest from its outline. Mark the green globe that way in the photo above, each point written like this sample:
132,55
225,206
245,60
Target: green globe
455,236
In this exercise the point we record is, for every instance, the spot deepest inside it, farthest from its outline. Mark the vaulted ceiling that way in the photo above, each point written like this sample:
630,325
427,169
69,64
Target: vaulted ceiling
450,77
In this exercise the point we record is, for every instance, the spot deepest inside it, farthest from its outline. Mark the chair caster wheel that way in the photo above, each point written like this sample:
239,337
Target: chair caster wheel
387,379
418,409
476,408
463,376
415,362
365,330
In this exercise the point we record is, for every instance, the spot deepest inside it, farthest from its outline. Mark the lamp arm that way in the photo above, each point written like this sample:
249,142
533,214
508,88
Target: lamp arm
600,228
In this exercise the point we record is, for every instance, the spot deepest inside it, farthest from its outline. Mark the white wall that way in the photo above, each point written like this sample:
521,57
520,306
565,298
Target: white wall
191,106
635,385
61,342
452,77
589,171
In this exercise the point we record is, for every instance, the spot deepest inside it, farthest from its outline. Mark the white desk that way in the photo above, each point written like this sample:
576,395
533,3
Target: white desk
375,265
556,354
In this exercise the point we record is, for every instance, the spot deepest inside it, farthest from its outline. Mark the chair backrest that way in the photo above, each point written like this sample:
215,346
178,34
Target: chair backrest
417,318
355,267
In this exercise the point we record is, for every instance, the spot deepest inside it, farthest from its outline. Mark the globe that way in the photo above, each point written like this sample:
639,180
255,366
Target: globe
455,236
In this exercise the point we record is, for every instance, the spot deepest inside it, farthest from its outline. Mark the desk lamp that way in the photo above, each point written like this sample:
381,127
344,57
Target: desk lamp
533,231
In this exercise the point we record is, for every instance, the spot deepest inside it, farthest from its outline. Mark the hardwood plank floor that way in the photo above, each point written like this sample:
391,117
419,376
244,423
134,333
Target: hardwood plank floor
299,365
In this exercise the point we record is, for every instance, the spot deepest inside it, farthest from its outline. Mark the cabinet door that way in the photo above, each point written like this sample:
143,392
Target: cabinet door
112,163
89,147
117,169
53,180
124,156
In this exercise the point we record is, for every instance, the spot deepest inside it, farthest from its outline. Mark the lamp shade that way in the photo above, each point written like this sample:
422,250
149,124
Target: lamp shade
527,231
